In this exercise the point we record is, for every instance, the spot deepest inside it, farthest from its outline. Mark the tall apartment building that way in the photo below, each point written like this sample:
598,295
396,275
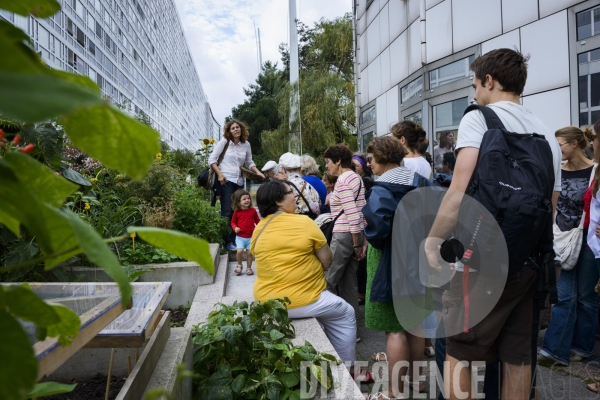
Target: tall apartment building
135,50
413,57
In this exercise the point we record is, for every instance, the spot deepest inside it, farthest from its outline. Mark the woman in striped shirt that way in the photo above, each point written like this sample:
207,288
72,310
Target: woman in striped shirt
348,243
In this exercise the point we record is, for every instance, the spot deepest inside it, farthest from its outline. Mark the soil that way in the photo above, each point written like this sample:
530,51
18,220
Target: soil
179,316
91,389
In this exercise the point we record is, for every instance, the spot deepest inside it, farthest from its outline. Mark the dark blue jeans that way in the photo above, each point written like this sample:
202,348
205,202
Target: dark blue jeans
575,317
226,211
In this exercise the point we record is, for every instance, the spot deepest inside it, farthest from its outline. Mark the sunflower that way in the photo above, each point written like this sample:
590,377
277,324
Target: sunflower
158,156
206,141
213,141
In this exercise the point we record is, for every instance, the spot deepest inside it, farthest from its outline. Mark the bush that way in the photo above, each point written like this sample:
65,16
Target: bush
156,189
197,217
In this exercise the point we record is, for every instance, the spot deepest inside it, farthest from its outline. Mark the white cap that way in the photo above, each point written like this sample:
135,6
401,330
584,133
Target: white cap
290,161
269,165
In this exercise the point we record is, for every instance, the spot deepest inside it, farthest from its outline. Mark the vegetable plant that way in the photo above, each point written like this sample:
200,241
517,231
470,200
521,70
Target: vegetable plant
245,352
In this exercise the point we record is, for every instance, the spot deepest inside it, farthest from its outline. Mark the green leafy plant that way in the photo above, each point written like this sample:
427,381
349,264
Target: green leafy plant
196,216
33,195
146,254
245,353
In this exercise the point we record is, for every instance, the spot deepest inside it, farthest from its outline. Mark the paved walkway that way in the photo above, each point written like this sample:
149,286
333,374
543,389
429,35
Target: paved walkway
553,382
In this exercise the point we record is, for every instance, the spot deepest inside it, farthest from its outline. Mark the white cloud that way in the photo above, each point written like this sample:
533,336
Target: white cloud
221,38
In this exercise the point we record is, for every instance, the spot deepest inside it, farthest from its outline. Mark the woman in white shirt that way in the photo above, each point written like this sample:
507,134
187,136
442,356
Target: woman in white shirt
411,135
228,171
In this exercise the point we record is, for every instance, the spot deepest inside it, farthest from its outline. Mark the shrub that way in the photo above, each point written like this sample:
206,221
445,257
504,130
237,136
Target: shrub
156,189
197,217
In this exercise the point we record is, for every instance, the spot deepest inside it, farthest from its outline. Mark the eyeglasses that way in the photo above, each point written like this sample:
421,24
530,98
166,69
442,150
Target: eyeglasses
369,158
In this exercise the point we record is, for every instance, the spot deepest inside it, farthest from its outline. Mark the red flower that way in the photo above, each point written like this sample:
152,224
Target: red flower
27,149
16,139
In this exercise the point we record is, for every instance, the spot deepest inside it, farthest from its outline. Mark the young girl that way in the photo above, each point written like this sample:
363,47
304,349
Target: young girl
243,221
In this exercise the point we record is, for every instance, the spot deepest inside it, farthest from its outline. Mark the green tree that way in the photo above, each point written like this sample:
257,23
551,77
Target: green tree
260,109
326,91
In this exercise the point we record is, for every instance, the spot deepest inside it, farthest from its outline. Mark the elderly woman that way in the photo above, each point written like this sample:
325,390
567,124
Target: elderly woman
348,243
310,173
291,254
236,152
385,155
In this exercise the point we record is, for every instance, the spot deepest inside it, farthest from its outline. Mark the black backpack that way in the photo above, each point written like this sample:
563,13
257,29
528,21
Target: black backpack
514,181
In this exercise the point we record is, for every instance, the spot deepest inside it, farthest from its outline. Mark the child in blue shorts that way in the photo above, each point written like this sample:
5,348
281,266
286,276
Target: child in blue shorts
243,222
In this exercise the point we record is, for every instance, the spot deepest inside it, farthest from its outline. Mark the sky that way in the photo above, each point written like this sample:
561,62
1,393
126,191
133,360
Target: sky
221,39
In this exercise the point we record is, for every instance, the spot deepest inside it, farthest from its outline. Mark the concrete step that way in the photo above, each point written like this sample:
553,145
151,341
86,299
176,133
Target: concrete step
178,350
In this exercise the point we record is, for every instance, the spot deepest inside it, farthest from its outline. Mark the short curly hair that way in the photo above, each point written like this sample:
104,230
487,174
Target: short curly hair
339,152
243,127
386,150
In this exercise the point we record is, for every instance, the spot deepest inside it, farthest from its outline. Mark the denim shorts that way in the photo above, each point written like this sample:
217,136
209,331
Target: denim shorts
242,243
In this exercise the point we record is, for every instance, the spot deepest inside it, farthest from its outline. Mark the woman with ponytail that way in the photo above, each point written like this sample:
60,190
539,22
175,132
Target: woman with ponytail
412,135
572,329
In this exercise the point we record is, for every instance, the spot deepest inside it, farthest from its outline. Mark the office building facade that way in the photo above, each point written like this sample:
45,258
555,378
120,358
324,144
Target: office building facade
136,51
413,57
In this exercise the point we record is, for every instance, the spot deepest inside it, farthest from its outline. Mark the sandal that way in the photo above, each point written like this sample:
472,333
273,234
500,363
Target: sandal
363,378
238,270
415,386
429,351
592,387
381,356
249,271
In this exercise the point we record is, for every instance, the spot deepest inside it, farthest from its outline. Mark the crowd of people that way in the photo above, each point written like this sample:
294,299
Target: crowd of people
329,275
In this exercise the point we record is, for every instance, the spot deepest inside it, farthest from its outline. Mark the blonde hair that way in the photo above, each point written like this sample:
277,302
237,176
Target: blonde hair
309,166
574,134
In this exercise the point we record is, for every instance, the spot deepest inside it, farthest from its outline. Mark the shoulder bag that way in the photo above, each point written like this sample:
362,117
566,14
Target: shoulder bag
208,177
310,213
568,243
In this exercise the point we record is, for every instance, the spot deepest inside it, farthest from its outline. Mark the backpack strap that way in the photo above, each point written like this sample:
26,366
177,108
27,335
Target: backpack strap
491,118
310,212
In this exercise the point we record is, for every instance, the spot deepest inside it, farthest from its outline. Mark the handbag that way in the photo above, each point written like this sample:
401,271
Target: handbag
568,243
327,227
208,177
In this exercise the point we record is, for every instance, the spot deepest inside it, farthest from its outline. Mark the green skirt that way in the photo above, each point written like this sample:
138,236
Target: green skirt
378,316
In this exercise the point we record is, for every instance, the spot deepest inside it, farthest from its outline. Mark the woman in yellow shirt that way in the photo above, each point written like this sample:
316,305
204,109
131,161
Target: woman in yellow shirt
291,254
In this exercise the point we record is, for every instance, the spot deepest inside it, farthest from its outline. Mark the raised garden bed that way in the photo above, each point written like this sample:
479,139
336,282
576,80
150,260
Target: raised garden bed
91,389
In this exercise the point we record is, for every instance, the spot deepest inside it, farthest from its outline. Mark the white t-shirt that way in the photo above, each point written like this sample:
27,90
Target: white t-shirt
418,165
515,118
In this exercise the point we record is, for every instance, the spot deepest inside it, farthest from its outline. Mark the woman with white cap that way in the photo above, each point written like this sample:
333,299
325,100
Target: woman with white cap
308,200
269,169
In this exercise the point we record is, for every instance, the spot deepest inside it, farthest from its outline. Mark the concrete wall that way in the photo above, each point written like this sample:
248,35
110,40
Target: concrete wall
388,53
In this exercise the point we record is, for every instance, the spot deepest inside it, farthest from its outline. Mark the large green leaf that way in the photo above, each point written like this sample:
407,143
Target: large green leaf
37,96
114,139
18,369
38,8
22,58
50,388
28,306
41,181
180,244
75,177
100,254
67,328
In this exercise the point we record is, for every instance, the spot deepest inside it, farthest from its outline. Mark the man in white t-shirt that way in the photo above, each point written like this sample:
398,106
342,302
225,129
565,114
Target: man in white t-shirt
505,333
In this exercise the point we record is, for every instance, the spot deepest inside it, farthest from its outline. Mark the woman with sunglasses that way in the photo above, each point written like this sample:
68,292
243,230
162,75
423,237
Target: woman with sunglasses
291,256
572,328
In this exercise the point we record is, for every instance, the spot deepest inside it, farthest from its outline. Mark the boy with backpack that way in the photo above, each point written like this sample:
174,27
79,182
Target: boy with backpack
501,169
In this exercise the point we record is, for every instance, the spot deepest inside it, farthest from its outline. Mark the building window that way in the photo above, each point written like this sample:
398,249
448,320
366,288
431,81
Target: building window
416,117
589,87
588,23
451,72
91,48
366,139
69,26
447,117
98,30
368,115
80,37
411,90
